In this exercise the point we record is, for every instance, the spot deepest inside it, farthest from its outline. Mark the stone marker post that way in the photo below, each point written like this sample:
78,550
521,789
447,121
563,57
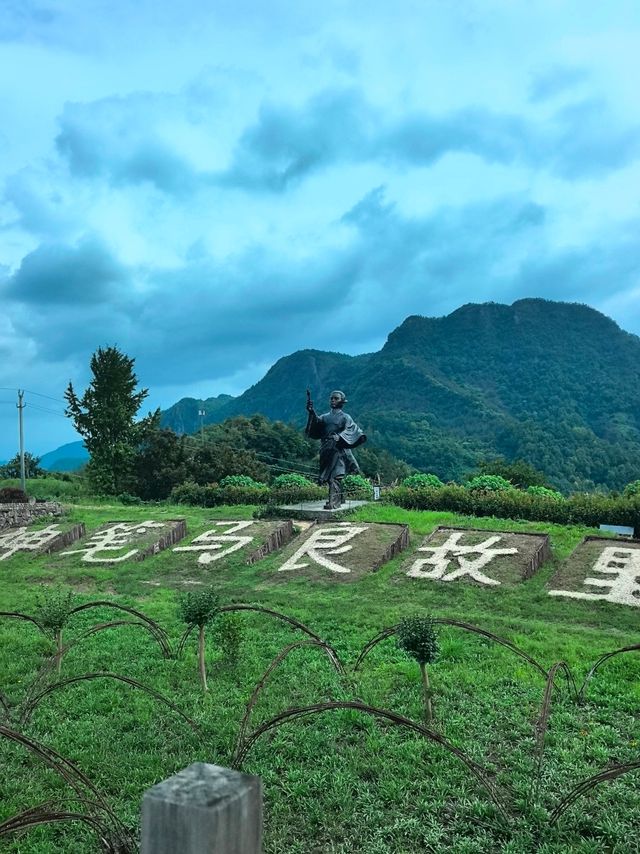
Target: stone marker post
204,809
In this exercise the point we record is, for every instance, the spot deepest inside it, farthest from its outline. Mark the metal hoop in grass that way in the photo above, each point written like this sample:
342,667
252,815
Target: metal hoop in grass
156,628
244,723
588,784
386,633
31,705
607,655
70,773
16,615
399,720
111,839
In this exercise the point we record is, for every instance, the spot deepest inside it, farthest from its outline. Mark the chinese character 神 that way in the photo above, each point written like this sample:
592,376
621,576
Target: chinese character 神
22,540
451,550
214,540
112,539
623,568
331,540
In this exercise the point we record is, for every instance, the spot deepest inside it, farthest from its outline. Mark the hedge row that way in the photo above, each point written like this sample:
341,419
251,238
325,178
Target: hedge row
583,509
212,495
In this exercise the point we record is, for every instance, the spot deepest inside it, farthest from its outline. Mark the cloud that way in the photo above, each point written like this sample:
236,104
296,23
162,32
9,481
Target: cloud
70,276
555,81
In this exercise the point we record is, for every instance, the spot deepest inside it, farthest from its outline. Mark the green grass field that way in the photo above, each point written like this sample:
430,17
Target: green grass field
340,781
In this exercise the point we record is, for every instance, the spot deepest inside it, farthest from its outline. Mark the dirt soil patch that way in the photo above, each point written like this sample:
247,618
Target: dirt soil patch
600,569
340,551
484,558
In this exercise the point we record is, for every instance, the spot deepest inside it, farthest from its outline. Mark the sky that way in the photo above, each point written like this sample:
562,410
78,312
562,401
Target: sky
213,184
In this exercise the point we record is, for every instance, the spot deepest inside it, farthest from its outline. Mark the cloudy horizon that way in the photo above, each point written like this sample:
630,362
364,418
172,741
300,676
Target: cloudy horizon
211,189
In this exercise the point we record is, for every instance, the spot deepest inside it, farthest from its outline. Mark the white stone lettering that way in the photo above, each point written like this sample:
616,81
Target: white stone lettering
452,551
621,568
330,539
215,539
113,539
22,540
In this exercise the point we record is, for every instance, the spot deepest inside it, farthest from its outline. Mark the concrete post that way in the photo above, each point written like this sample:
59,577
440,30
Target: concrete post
204,809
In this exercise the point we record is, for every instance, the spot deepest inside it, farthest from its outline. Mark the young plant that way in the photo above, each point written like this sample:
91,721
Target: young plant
53,609
198,608
417,638
229,632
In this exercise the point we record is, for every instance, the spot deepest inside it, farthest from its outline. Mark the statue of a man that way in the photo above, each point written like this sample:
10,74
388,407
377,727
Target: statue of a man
338,434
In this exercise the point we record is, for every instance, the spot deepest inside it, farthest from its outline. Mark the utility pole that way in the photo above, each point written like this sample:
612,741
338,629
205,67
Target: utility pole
201,413
21,404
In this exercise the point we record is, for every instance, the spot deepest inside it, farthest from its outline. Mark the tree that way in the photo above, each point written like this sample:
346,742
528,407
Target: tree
159,464
417,638
521,473
105,418
12,468
199,608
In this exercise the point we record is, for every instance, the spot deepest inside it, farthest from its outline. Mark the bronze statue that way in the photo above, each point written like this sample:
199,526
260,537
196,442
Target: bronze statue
338,434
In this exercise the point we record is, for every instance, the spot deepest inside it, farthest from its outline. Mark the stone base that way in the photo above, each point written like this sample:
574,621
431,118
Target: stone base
315,510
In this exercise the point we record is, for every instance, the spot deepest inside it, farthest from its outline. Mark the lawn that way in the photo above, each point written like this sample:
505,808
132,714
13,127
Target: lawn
342,780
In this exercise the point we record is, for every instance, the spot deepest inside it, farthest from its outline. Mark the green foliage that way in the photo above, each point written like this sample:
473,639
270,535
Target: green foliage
128,499
52,487
159,464
287,481
488,483
421,480
519,473
580,509
632,489
357,487
229,634
198,607
213,461
53,608
13,495
105,418
417,638
241,480
547,493
12,468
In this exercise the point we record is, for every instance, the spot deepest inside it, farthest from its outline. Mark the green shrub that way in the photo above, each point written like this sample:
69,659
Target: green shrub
544,491
198,608
128,499
422,480
212,495
229,632
291,480
489,483
416,637
242,480
357,488
591,510
632,489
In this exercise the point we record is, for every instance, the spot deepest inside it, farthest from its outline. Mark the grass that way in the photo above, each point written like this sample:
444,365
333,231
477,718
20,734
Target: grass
339,781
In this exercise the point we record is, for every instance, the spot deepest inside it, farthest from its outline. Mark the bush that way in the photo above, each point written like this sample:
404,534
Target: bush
13,495
242,480
128,499
489,483
547,493
421,480
229,632
211,495
290,481
357,488
581,509
632,489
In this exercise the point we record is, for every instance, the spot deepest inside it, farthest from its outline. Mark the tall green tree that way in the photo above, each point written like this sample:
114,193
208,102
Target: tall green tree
105,417
31,467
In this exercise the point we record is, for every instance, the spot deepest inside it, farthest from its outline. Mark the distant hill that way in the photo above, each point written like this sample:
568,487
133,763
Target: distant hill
556,384
69,457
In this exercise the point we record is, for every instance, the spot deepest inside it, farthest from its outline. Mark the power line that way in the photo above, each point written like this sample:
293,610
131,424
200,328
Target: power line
48,396
42,409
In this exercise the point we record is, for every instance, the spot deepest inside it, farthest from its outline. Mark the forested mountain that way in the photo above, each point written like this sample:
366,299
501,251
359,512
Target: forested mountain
556,384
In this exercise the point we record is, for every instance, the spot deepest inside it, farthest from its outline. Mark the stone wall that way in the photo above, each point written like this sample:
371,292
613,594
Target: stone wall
19,515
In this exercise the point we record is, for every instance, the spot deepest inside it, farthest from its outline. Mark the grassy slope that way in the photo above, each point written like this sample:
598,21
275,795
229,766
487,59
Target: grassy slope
340,782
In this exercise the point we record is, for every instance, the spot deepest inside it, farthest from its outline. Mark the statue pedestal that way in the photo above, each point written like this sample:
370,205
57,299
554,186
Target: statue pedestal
315,510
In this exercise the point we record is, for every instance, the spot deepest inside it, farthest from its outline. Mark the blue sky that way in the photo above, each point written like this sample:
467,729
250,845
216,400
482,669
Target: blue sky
213,185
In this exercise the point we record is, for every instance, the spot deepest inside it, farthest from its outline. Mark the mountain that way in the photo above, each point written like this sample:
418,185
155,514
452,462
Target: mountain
556,384
69,457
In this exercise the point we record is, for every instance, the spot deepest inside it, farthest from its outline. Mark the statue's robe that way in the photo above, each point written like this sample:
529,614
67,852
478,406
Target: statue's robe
338,434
